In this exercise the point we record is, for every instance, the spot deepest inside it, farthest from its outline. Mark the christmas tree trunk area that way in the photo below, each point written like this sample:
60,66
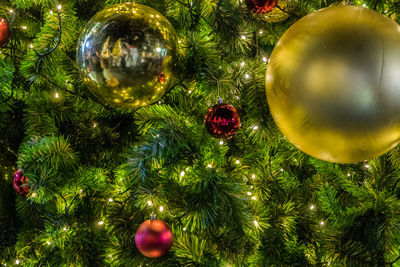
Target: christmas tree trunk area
141,134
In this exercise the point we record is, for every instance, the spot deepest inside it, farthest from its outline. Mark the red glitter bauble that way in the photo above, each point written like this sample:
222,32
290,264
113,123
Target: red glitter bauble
154,238
222,121
19,181
261,6
4,32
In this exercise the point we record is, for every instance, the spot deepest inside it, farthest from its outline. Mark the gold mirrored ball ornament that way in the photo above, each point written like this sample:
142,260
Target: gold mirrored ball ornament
333,84
127,54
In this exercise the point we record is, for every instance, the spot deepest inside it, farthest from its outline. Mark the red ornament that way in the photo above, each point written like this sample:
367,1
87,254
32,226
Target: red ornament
261,6
161,77
222,120
154,238
19,181
4,32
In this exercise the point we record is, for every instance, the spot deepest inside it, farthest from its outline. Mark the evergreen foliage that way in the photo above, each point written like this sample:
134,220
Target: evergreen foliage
97,172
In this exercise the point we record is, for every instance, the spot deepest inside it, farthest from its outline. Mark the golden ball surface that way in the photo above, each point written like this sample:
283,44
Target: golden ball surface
127,54
333,84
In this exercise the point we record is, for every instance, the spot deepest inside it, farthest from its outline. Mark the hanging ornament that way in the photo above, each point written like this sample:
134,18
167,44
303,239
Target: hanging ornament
272,11
261,6
20,183
127,54
333,84
4,32
222,120
154,238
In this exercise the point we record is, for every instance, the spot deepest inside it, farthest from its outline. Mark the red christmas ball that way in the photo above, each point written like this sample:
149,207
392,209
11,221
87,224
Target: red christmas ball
261,6
222,121
19,183
154,238
4,32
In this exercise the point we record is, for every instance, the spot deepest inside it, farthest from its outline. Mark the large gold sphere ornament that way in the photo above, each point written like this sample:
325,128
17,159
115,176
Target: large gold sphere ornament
333,84
127,54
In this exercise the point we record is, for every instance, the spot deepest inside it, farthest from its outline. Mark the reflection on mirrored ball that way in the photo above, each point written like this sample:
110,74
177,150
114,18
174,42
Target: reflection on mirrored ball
333,84
127,54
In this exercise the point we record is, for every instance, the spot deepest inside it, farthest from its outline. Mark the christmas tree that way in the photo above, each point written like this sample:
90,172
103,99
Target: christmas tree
79,175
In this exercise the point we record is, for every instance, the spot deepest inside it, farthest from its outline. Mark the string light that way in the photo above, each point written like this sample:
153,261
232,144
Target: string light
261,32
149,203
100,223
17,262
51,12
161,208
221,142
247,76
364,5
65,229
24,27
94,125
56,95
265,59
34,194
281,170
48,243
253,198
312,207
253,176
242,64
184,228
348,175
322,223
367,166
190,91
109,256
249,193
31,46
59,7
182,173
255,223
110,200
179,42
11,11
237,161
243,37
209,166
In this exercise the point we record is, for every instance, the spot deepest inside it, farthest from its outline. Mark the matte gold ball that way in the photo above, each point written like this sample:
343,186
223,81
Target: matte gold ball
127,54
333,84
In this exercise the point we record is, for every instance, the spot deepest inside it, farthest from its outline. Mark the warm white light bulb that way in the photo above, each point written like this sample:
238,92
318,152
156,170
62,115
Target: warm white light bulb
247,76
237,161
161,208
243,37
242,64
100,223
209,166
56,95
149,203
221,142
249,193
182,173
59,7
48,243
24,27
253,176
312,207
110,200
322,223
255,223
17,262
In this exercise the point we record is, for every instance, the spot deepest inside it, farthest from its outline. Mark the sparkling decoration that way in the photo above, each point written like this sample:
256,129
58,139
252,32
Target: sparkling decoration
333,84
154,238
4,32
127,54
261,6
222,120
19,183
